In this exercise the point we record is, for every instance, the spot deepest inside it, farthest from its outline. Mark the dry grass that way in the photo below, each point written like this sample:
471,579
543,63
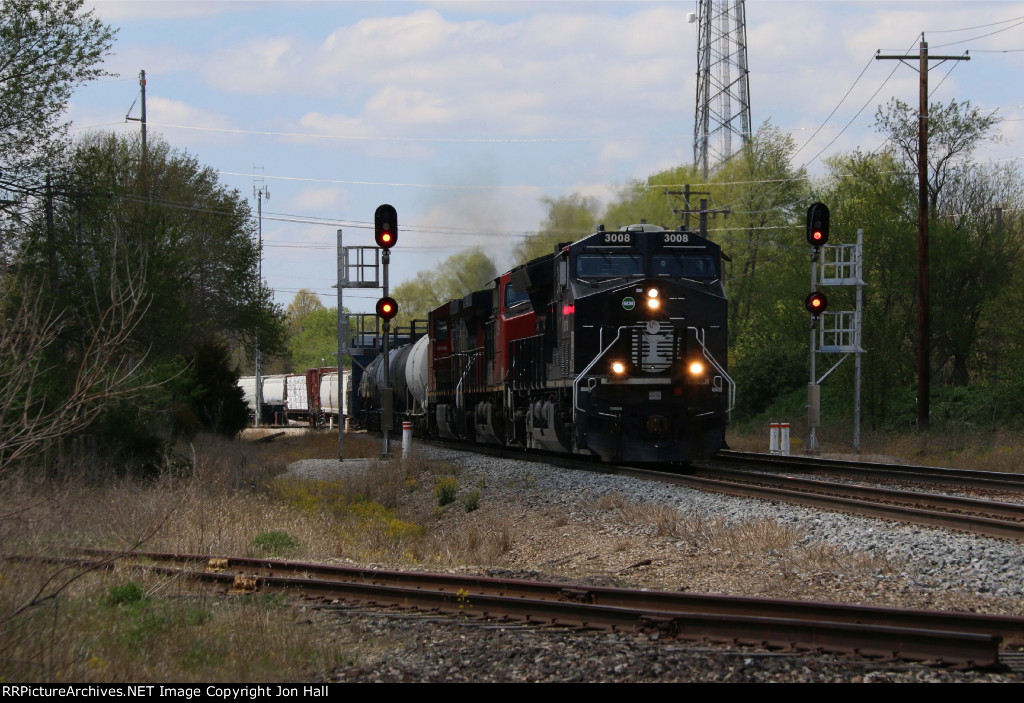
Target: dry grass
962,449
164,630
59,624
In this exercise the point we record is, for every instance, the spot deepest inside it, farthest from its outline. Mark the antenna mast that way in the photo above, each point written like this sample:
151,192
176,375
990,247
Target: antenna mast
723,85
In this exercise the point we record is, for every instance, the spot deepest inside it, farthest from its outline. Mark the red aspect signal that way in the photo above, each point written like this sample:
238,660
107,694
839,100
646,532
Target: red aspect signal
817,225
385,226
816,303
387,308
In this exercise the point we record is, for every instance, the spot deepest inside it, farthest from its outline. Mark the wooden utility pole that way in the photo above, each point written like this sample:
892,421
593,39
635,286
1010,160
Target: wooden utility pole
142,108
923,312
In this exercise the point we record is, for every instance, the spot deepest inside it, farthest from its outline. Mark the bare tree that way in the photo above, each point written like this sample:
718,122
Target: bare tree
106,366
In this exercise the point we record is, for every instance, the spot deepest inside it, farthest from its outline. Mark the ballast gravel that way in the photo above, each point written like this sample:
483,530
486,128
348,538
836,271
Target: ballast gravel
538,521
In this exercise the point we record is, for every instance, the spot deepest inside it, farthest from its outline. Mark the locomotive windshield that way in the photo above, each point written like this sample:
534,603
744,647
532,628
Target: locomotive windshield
609,265
685,266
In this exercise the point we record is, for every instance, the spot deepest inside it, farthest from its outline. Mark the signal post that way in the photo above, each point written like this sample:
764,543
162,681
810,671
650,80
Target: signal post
832,332
816,304
385,233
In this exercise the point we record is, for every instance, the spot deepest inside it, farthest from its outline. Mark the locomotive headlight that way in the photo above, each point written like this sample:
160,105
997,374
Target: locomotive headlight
696,368
653,300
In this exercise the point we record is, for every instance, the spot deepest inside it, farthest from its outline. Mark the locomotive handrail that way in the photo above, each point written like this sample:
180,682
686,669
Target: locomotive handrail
697,335
474,354
579,377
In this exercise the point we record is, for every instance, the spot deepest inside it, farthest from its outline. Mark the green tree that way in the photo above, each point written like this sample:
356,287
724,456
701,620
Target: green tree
869,192
315,342
193,239
954,131
972,256
305,302
47,49
177,241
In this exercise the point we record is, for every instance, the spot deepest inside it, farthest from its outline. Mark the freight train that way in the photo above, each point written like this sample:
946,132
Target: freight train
316,397
612,346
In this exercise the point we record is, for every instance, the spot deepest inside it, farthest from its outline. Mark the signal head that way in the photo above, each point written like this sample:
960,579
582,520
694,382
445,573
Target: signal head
387,308
817,224
816,303
385,226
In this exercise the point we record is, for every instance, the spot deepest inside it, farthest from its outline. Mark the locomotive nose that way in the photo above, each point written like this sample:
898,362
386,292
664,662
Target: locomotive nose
657,425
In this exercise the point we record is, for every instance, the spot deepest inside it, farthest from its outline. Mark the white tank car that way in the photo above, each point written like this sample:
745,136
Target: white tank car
329,396
416,371
273,389
248,386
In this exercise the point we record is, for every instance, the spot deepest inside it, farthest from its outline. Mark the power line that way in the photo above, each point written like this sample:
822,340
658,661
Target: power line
979,26
450,140
982,36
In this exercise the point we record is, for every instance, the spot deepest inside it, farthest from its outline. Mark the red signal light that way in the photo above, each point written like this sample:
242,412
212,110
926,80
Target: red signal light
817,224
816,303
385,226
387,308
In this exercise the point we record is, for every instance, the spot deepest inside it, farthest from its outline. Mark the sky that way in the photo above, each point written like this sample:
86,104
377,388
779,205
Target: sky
465,115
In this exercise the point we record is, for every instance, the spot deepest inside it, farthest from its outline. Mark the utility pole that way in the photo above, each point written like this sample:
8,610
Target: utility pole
259,192
702,211
142,108
923,310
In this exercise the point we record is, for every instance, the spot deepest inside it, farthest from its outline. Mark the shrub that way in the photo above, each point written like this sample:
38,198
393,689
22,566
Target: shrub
471,501
274,544
446,489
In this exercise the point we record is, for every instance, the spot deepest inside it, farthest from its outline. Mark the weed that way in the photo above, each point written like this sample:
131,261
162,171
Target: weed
471,501
445,490
274,544
525,480
125,593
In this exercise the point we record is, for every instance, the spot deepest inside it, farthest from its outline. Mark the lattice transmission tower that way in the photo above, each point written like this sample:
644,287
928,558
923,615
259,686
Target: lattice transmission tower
723,85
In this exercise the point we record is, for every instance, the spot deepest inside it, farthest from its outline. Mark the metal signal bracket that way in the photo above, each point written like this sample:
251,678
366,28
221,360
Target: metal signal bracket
359,267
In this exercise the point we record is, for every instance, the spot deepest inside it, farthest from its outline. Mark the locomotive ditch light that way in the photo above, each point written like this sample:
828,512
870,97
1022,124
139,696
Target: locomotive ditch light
695,367
619,368
653,299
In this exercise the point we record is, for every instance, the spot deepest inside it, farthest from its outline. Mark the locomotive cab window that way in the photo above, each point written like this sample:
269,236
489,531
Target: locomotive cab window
441,330
514,297
685,266
609,265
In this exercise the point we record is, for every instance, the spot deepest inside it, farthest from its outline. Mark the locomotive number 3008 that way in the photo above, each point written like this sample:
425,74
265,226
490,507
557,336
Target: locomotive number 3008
676,238
618,238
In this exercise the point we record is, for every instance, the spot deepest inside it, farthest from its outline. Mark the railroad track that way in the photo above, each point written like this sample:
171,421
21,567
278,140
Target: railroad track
992,480
726,475
959,639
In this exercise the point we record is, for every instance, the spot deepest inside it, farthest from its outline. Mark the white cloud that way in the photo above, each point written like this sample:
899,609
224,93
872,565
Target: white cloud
321,200
115,11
